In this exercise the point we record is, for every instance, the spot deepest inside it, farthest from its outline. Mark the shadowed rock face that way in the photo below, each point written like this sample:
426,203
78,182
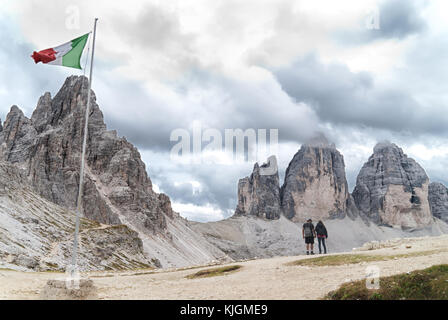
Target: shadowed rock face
392,189
438,200
49,146
259,195
315,184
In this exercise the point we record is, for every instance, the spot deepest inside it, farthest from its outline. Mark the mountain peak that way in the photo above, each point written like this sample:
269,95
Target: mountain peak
259,194
392,188
15,110
71,100
316,169
386,145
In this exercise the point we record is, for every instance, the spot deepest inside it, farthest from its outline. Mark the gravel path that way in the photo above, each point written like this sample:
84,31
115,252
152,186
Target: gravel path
258,279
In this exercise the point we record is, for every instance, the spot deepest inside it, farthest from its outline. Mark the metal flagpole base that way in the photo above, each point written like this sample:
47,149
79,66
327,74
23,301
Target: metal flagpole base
72,287
57,290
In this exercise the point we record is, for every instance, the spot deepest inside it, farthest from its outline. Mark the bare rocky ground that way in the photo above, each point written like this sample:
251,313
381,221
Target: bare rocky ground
258,279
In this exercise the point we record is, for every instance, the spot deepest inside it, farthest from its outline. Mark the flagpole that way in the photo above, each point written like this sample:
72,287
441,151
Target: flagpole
81,174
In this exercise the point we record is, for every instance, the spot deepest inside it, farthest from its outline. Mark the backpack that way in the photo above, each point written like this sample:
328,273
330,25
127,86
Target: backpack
308,228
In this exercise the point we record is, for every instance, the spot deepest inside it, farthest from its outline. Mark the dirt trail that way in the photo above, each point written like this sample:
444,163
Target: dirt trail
258,279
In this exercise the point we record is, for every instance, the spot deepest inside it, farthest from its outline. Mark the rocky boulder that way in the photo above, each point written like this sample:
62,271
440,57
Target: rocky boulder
315,184
438,200
392,189
259,194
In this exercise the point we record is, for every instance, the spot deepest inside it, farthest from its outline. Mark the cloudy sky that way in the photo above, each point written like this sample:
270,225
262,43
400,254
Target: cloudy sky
359,71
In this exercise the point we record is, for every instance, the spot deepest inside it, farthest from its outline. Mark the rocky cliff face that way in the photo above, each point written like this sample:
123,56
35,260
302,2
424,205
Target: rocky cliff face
392,189
438,200
315,184
49,145
117,189
259,194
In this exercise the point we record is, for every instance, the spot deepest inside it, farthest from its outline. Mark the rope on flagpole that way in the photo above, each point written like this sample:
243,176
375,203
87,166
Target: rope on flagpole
87,57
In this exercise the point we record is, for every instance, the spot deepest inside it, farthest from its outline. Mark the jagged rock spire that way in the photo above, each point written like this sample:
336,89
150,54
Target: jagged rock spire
259,194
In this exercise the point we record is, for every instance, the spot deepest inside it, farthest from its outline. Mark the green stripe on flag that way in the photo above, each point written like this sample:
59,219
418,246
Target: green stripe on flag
73,57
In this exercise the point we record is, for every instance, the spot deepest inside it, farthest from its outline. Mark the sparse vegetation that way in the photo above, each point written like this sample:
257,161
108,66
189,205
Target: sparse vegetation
427,284
214,272
6,269
341,259
53,266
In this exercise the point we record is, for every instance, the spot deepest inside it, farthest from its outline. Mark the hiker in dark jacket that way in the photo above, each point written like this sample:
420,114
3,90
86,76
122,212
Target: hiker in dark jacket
322,234
308,233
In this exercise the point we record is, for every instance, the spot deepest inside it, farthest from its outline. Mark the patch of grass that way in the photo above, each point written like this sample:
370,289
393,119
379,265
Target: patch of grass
214,272
51,265
427,284
140,273
103,276
335,260
6,269
341,259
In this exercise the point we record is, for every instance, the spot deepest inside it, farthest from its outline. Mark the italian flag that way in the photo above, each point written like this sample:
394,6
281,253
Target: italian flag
67,54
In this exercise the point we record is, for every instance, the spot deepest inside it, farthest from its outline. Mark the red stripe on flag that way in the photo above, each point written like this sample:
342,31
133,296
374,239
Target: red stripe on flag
44,56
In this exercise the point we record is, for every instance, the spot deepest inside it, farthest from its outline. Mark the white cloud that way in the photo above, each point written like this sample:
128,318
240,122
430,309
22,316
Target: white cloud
199,213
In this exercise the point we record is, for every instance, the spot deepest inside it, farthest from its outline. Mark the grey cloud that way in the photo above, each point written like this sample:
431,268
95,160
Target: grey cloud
134,113
401,18
157,31
356,144
340,96
147,119
154,27
218,183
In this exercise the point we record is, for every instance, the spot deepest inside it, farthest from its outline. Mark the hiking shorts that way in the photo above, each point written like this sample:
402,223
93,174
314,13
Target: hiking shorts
309,240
